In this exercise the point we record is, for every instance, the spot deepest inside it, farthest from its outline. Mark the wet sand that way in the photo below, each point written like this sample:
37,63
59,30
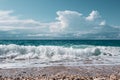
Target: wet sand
101,72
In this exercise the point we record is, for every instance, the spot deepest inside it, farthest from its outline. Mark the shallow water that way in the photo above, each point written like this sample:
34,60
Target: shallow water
29,53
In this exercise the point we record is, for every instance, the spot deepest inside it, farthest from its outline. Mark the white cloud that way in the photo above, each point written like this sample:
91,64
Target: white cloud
66,24
9,22
43,35
5,13
68,21
103,23
63,20
93,15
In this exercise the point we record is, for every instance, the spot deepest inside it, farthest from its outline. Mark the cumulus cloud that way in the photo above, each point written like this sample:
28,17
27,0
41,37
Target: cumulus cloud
73,21
93,15
63,20
67,24
70,21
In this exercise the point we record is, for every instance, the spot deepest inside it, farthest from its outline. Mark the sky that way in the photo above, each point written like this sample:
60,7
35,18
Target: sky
59,19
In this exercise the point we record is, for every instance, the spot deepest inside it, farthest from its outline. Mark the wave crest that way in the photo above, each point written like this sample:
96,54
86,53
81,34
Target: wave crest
53,53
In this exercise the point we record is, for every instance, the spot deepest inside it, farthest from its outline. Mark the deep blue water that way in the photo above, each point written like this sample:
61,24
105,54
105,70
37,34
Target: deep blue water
62,42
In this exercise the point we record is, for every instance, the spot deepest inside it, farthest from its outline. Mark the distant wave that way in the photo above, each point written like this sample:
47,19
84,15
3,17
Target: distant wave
55,53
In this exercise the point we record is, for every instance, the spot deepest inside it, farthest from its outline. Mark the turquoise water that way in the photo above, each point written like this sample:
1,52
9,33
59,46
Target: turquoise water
32,53
63,42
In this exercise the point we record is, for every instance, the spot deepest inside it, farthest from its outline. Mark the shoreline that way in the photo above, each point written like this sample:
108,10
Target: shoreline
103,72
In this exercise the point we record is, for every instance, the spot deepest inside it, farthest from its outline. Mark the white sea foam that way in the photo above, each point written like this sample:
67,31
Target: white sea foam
96,54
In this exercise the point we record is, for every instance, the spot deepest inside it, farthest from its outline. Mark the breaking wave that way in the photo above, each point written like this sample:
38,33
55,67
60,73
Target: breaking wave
55,53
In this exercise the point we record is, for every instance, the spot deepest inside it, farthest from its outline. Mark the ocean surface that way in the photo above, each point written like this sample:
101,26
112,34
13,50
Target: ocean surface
41,53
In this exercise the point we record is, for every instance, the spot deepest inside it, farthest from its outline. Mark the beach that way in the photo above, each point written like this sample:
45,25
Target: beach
100,72
59,40
59,60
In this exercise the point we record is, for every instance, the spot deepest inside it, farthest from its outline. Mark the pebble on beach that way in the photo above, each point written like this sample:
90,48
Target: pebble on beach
62,73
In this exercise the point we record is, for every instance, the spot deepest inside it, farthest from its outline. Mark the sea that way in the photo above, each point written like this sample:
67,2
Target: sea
42,53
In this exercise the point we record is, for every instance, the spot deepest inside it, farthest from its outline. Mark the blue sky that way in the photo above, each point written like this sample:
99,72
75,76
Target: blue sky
56,19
